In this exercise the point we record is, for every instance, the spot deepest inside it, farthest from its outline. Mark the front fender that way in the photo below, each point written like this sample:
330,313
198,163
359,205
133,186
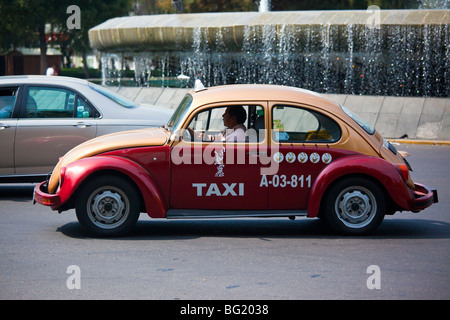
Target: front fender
74,174
380,170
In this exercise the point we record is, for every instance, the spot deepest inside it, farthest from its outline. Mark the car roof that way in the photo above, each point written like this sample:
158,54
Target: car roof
263,92
42,80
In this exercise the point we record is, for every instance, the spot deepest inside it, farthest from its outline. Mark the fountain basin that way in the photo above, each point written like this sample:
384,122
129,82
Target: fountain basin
366,52
176,31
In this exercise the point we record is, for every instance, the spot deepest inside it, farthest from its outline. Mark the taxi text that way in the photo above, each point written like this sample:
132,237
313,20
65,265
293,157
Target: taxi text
213,189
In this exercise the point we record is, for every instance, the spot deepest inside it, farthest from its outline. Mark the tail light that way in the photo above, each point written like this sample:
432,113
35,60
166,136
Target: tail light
404,171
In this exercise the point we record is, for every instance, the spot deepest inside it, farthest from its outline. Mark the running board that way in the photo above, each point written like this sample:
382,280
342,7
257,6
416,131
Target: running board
207,214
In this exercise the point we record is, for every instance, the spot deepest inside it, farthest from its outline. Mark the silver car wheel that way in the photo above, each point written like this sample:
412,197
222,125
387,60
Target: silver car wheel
356,207
108,207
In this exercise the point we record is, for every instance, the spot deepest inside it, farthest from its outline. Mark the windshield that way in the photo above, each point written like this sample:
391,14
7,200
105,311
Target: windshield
113,96
363,124
180,111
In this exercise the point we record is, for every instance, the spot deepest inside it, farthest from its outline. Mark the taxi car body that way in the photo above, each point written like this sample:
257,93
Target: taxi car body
303,156
41,118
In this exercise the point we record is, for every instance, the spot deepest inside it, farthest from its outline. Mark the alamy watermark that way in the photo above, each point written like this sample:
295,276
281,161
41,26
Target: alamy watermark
374,280
222,153
74,280
74,20
374,20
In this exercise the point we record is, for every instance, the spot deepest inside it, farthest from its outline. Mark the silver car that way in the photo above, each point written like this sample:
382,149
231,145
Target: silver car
41,118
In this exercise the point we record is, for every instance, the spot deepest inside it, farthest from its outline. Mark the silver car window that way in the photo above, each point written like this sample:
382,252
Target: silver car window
84,109
46,102
7,101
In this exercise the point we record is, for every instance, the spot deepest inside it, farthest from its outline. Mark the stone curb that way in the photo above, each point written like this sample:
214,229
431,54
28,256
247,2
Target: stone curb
426,142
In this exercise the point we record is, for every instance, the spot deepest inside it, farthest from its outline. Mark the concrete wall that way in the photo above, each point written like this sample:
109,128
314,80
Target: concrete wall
394,117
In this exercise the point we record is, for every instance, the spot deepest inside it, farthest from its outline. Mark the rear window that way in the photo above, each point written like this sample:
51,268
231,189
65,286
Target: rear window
363,124
124,102
295,124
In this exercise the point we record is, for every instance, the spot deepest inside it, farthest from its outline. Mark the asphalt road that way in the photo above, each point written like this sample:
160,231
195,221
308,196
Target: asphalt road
44,255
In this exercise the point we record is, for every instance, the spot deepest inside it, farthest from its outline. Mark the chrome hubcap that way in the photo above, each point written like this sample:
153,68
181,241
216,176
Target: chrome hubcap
356,207
108,207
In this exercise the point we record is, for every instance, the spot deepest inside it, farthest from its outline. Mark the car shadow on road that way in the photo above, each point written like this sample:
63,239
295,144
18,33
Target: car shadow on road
16,192
265,229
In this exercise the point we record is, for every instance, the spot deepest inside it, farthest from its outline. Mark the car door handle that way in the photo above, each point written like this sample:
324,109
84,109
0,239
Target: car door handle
81,125
4,126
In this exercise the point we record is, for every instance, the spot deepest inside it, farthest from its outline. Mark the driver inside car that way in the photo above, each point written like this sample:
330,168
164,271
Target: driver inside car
233,120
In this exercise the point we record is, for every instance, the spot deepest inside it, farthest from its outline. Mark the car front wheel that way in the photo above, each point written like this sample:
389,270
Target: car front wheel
355,206
108,206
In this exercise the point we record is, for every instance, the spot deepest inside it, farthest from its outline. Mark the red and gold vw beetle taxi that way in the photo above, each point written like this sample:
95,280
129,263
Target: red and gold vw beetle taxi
239,151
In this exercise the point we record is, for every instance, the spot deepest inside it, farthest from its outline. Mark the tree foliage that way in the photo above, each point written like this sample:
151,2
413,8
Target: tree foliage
24,23
21,21
219,5
281,5
190,6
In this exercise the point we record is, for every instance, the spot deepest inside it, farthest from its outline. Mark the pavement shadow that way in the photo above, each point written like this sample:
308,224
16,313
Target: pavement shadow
265,229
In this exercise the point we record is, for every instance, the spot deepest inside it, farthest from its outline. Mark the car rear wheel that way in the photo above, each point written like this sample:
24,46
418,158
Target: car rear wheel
108,206
355,206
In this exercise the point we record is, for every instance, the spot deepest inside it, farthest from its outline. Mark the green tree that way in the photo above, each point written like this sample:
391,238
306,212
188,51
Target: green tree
23,23
280,5
93,12
144,7
219,5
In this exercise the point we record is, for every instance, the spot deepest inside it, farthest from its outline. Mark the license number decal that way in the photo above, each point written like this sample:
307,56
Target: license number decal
282,181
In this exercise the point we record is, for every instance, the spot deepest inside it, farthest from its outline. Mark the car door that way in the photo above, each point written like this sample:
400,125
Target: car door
8,122
301,138
53,120
212,174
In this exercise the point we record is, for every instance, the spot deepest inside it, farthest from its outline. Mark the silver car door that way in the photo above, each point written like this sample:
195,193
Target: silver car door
8,97
52,123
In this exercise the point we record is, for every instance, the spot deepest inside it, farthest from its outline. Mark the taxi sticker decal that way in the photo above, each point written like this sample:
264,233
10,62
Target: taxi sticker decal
290,157
314,157
326,158
219,162
302,157
278,157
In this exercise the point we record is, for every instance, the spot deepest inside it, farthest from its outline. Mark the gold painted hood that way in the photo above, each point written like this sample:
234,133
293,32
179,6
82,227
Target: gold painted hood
109,142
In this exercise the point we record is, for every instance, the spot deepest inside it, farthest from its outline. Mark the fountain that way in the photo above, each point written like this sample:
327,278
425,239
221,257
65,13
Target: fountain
264,6
363,52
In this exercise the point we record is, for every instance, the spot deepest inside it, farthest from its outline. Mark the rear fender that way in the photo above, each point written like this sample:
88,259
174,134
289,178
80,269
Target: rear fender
380,170
74,174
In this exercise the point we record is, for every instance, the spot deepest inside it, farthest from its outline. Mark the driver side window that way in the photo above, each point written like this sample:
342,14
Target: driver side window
211,124
208,121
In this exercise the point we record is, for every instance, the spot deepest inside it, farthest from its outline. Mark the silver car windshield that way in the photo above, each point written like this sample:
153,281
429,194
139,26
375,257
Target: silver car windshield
113,96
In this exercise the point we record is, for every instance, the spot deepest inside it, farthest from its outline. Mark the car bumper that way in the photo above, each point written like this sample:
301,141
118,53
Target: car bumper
41,196
423,197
